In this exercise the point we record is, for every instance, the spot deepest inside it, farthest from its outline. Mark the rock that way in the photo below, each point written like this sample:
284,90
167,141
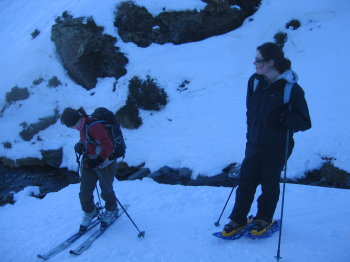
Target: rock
30,131
124,170
85,52
135,24
166,175
7,162
17,94
218,180
52,158
140,174
185,173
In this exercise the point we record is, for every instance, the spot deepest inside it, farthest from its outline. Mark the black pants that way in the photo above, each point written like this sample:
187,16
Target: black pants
89,179
262,165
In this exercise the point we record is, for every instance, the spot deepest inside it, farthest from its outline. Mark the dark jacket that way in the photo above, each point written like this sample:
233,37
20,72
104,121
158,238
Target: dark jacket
265,106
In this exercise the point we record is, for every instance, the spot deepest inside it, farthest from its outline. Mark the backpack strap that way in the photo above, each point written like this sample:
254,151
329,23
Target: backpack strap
88,139
287,92
255,84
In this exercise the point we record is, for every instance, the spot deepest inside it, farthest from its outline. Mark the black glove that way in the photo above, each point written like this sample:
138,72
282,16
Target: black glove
79,148
92,163
280,114
283,115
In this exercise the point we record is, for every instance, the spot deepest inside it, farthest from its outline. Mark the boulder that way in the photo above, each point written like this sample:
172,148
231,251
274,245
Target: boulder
86,52
135,24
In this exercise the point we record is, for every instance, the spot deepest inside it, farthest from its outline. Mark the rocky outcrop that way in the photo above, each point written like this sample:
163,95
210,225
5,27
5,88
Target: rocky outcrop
86,52
29,131
135,24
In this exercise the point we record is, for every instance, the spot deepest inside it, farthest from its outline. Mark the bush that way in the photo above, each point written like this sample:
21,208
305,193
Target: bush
7,145
54,82
35,33
128,115
294,24
146,94
17,94
38,81
280,39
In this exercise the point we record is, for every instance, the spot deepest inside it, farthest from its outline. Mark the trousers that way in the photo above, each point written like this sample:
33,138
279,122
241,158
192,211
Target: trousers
89,178
262,165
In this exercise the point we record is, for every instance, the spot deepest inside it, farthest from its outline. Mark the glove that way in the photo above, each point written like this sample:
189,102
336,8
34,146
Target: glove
79,148
283,116
280,115
92,163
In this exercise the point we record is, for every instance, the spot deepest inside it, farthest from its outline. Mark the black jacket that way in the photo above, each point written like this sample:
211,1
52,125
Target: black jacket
265,106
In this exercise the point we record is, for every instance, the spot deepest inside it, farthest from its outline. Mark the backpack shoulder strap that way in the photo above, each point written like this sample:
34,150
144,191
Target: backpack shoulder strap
287,92
87,128
255,84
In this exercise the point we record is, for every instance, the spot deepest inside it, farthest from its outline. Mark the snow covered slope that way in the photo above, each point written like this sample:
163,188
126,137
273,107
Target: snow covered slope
202,128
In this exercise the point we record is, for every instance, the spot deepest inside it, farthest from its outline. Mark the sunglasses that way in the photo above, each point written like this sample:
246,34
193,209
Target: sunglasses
259,60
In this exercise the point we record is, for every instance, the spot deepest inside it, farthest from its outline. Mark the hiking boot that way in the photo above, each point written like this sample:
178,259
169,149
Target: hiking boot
259,227
87,219
108,217
232,228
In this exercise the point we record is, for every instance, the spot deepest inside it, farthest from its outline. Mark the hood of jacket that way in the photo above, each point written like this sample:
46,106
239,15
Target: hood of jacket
288,75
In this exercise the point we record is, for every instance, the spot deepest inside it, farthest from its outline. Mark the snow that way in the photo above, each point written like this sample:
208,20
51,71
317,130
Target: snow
202,128
178,221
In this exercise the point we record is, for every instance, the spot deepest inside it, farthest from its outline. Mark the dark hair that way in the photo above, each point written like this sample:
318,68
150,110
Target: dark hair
271,51
71,116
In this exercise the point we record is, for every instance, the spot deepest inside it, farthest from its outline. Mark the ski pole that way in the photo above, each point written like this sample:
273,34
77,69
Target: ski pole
278,256
141,233
99,200
217,223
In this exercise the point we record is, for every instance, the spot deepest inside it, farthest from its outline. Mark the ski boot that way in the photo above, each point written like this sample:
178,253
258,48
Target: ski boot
108,217
87,219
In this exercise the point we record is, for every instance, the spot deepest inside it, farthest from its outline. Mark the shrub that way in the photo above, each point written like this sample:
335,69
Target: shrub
182,86
35,33
7,145
128,115
54,82
147,94
17,94
38,81
294,24
280,39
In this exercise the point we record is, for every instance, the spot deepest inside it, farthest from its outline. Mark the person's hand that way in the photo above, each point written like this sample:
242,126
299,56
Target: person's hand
79,148
283,114
92,163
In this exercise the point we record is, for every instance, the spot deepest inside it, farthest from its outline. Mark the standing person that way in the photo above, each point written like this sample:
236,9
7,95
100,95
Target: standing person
94,153
268,119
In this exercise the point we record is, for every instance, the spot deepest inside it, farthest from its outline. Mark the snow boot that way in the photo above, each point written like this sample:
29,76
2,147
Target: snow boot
87,219
232,228
108,217
259,227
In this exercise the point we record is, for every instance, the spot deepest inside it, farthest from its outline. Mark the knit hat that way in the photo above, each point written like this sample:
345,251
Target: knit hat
70,117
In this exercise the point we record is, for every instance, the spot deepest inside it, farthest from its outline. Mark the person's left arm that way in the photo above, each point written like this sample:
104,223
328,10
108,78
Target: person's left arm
298,117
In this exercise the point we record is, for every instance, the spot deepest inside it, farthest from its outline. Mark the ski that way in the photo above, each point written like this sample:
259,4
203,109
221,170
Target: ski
67,242
89,241
275,226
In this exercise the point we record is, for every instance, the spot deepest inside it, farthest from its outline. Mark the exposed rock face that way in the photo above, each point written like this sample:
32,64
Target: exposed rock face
135,24
29,131
85,52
